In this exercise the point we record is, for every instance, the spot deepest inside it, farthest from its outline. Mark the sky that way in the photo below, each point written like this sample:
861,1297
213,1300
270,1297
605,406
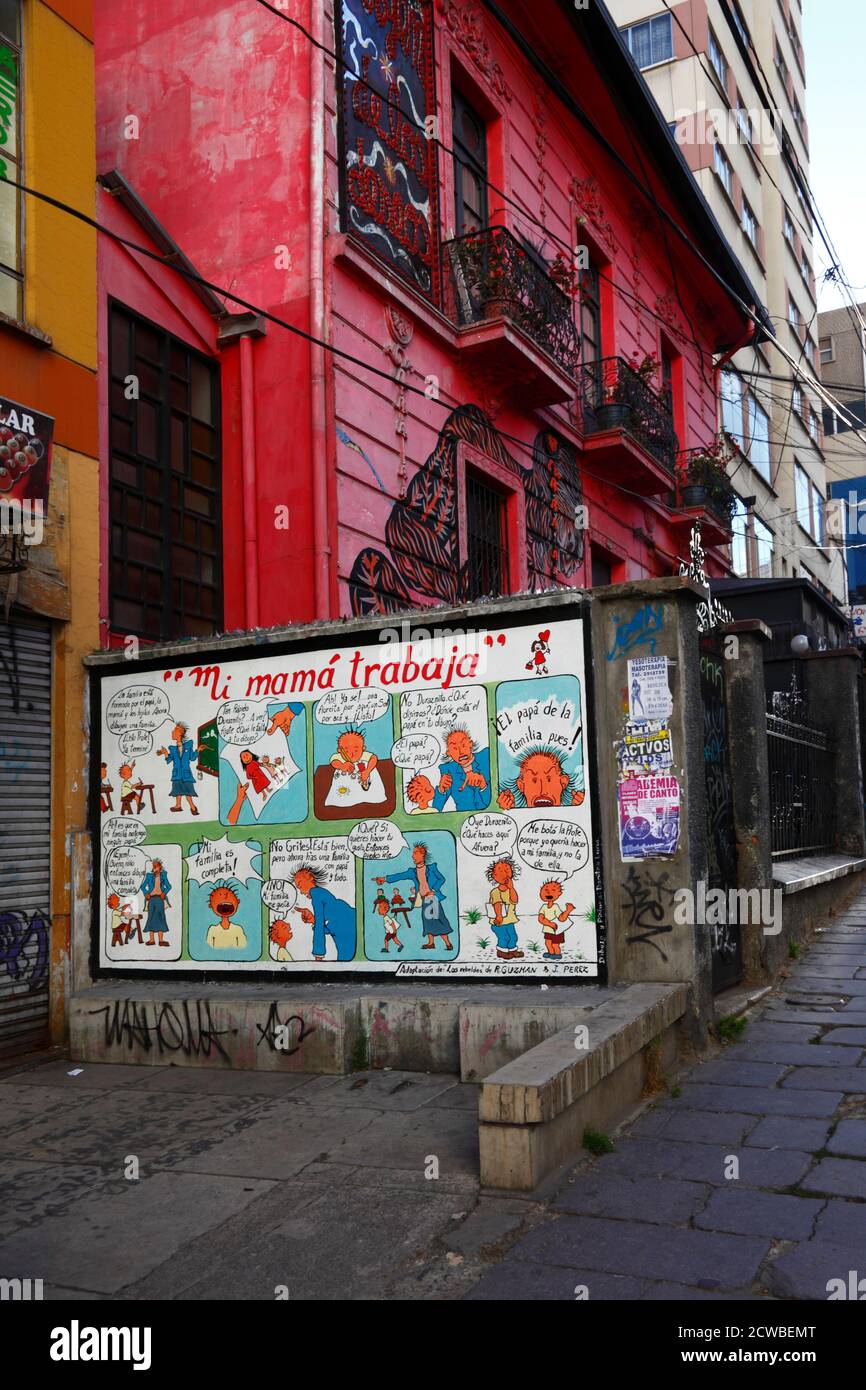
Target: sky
834,39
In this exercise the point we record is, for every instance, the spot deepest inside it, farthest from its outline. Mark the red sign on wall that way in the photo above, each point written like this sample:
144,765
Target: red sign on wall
26,438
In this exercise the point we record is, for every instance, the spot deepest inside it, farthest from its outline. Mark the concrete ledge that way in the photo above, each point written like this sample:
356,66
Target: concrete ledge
532,1112
795,875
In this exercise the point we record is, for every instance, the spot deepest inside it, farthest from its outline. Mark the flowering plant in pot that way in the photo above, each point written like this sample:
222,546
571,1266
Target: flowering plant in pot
646,367
613,410
564,275
487,266
705,477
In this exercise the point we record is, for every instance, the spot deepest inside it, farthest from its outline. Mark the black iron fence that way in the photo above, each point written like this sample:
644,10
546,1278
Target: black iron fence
614,395
701,486
801,758
489,275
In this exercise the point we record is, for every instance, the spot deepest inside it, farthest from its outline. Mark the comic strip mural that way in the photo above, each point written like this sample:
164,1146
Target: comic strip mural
414,807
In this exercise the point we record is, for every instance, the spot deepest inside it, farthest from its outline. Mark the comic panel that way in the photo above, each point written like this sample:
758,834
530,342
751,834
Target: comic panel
224,904
310,899
444,750
261,757
143,894
153,753
539,735
353,771
411,908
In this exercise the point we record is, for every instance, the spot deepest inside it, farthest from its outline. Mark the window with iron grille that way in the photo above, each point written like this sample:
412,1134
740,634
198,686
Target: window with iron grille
470,166
486,538
165,544
11,250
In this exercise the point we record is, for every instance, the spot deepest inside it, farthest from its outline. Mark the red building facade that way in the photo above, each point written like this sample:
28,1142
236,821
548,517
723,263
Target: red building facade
492,299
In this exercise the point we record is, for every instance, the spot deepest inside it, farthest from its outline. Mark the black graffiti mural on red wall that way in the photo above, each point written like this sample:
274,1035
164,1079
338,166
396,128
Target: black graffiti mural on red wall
421,533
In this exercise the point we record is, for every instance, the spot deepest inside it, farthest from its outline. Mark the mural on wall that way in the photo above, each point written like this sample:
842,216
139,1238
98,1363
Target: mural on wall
389,175
422,563
414,808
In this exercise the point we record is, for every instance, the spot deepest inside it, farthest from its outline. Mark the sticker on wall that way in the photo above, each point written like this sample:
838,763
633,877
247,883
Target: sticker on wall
645,748
649,817
649,695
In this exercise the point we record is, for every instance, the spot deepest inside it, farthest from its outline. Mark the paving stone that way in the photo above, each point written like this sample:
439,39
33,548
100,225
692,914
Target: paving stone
737,1073
636,1248
773,1168
843,1223
678,1293
814,984
799,1054
789,1132
768,1031
806,1271
380,1090
833,1018
756,1101
838,1177
522,1281
759,1214
106,1242
31,1192
846,1079
707,1126
818,970
847,1037
849,1138
598,1193
487,1225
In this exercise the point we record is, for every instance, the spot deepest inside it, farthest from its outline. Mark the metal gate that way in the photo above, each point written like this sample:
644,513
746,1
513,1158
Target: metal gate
25,821
721,837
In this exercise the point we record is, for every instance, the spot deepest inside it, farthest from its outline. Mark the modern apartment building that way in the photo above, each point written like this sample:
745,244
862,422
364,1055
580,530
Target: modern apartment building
842,345
729,76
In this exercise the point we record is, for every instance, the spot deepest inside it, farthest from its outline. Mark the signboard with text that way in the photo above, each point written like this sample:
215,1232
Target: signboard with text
26,439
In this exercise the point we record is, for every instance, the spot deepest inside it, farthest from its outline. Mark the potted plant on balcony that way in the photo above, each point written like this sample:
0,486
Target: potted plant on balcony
487,267
645,368
705,479
612,411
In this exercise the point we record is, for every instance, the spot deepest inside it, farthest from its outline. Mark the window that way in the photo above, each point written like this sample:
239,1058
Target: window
788,228
794,315
759,439
590,315
744,121
732,405
470,167
667,379
723,169
810,504
805,269
164,470
739,539
781,66
651,41
797,400
602,570
718,60
798,114
827,352
739,23
763,549
11,262
750,224
486,537
813,426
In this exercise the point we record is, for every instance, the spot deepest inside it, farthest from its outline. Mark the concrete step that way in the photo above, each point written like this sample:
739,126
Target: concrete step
533,1111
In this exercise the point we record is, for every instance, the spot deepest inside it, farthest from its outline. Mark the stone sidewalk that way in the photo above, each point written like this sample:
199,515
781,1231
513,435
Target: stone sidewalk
366,1186
660,1217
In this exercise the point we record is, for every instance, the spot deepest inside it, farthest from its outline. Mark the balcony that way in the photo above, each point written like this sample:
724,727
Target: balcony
510,314
701,495
627,427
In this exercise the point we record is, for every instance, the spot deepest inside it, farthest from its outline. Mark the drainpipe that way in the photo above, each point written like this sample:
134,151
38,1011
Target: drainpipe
318,403
248,475
241,329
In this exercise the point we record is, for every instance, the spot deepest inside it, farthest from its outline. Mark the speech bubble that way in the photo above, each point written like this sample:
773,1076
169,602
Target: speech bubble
137,707
134,743
125,869
549,721
554,846
280,896
488,834
213,860
414,751
352,706
325,855
123,830
243,721
376,839
441,710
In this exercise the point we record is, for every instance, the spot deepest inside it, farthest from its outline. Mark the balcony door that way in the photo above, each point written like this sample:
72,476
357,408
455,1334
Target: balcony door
470,166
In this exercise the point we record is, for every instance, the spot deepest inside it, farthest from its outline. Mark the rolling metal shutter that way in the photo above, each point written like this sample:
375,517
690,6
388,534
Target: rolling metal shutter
25,822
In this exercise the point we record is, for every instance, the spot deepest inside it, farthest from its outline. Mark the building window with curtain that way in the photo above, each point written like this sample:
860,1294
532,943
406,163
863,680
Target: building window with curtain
11,247
470,166
164,470
759,440
732,406
651,41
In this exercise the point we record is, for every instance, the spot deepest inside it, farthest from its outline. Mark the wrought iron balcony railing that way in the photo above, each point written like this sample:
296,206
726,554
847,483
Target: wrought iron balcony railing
613,395
489,275
702,484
